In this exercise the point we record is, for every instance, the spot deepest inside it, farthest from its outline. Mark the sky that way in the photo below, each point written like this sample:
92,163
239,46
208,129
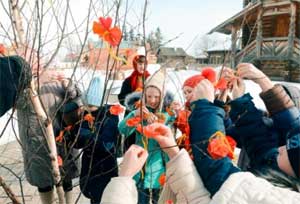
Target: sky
188,19
191,17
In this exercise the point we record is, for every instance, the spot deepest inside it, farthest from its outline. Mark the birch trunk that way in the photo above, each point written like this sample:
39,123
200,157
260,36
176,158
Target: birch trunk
41,114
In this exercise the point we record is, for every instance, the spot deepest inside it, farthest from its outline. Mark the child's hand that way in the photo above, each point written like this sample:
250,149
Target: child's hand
249,71
203,90
238,88
133,161
165,139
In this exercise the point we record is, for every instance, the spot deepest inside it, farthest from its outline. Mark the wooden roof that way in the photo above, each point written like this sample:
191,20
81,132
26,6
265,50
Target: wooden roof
250,11
225,27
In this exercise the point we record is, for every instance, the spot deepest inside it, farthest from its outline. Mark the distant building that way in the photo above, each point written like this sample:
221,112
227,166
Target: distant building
270,37
173,57
202,59
97,55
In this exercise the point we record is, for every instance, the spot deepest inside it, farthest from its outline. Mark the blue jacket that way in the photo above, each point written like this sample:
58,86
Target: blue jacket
258,134
205,120
99,163
253,131
155,164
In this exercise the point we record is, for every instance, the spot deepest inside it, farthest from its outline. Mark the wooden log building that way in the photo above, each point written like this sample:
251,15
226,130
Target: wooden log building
270,37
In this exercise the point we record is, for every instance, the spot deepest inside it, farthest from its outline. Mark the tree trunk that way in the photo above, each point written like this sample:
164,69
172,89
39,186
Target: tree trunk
41,114
46,123
9,192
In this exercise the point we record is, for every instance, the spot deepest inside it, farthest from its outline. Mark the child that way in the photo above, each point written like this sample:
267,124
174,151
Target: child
96,132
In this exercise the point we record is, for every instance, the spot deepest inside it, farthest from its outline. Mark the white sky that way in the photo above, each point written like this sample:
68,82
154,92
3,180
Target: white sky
187,18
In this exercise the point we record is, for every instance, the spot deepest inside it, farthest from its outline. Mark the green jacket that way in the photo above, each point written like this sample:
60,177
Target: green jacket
155,164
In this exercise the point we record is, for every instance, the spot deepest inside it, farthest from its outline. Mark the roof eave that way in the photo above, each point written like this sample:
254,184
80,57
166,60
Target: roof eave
226,25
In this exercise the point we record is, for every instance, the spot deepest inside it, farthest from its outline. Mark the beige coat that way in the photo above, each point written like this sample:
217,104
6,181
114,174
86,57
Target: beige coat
185,186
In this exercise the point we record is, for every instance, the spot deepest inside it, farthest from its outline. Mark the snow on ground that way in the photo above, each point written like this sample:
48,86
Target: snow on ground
174,82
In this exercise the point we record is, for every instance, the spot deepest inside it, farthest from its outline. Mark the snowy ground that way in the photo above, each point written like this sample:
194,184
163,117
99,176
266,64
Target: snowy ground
82,77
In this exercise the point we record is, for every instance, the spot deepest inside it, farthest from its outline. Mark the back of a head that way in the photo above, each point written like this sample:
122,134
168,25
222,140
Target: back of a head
294,93
94,94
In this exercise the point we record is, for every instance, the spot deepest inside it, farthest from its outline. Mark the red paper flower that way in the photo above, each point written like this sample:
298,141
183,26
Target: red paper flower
221,84
116,109
152,130
111,35
162,179
132,122
2,49
220,146
59,160
169,202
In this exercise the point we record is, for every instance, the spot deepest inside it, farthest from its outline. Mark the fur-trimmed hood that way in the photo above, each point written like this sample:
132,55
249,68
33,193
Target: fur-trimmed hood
132,98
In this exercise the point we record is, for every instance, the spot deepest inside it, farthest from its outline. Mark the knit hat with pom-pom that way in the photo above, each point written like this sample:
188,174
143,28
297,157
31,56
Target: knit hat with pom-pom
207,73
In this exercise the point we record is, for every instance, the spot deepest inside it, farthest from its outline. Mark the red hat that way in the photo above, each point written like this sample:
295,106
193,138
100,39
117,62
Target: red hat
207,73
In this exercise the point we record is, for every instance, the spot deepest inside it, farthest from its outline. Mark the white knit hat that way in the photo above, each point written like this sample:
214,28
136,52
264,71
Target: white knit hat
157,80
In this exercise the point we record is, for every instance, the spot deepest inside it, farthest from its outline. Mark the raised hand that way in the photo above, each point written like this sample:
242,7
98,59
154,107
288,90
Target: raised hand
133,161
249,71
238,88
165,138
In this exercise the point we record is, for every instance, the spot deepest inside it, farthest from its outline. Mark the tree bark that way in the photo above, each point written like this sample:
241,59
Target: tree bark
41,114
9,192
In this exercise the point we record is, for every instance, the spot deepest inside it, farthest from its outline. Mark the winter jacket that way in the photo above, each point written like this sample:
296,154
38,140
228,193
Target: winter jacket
35,150
98,143
185,186
282,110
254,132
205,120
15,76
125,90
155,165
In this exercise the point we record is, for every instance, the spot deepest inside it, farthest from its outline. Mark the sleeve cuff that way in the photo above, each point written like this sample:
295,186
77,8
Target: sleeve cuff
276,99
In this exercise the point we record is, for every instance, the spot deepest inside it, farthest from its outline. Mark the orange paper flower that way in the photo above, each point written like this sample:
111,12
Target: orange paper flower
60,137
169,202
152,130
182,123
221,146
116,109
139,90
132,122
103,29
59,160
162,179
88,117
221,84
170,111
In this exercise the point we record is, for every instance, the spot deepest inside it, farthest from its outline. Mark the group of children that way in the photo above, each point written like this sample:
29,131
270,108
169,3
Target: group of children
166,169
271,140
